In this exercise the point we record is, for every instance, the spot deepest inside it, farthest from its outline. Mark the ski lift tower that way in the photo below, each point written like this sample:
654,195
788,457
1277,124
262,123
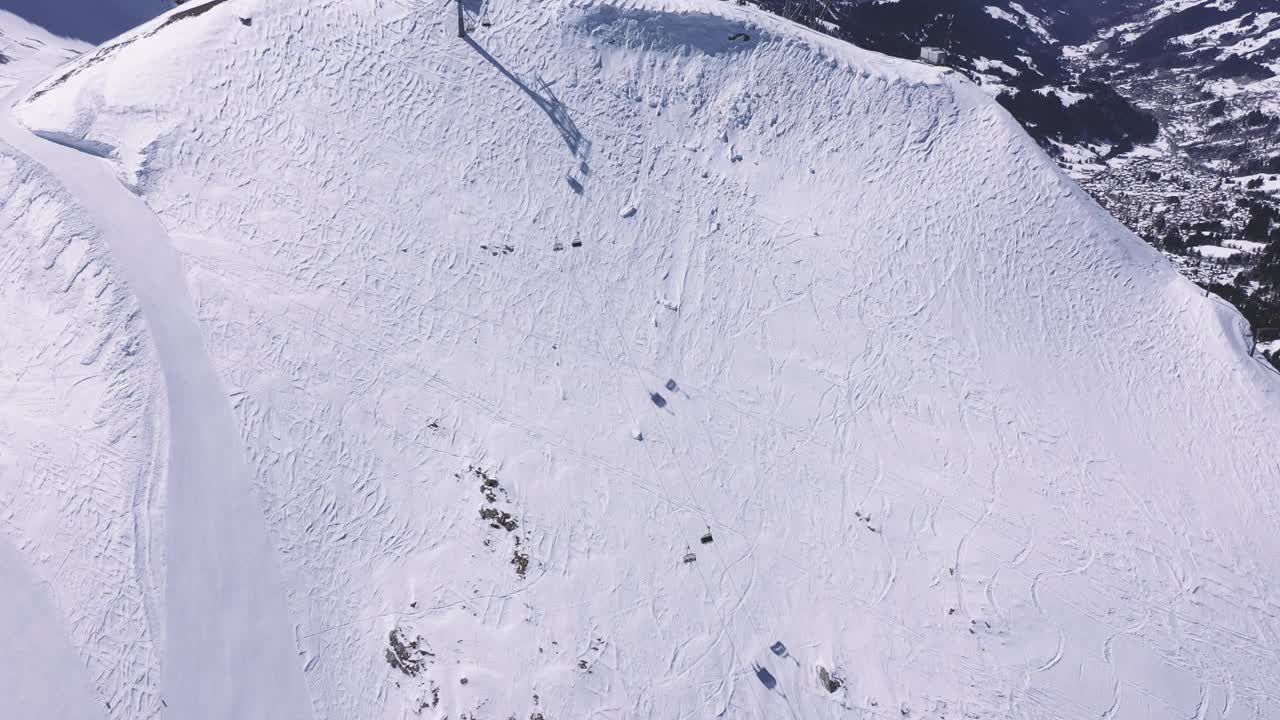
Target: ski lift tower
462,23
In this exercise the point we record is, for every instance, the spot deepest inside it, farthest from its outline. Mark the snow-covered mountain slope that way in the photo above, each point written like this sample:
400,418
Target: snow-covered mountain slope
235,661
78,460
1160,108
653,359
1014,50
27,49
1206,191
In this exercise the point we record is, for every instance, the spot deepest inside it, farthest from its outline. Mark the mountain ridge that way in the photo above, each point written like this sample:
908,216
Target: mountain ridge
1159,108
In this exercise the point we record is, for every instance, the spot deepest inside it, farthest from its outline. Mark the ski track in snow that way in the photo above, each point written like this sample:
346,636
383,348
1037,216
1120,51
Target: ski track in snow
78,449
229,650
415,293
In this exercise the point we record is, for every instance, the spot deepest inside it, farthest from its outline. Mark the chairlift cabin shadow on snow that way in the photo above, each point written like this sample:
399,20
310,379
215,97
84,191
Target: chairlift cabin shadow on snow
766,678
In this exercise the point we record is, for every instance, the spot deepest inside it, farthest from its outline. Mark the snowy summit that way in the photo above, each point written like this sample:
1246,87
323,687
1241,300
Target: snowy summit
619,359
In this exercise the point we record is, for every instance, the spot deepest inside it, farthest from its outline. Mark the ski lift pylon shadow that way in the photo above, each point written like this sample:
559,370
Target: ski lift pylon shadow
542,95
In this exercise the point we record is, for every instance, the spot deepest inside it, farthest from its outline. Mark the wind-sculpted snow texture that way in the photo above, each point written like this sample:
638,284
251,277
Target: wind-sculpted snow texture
78,460
663,359
228,649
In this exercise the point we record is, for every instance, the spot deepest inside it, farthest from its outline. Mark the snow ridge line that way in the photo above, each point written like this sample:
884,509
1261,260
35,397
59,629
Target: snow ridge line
107,50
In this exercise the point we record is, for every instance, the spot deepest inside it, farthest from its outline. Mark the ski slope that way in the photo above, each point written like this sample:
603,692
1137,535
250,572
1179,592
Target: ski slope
229,648
77,445
646,358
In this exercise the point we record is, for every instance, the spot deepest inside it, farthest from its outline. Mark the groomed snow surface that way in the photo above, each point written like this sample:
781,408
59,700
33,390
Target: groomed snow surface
645,359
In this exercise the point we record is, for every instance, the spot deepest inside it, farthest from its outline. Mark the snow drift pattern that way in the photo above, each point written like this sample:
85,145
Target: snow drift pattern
78,461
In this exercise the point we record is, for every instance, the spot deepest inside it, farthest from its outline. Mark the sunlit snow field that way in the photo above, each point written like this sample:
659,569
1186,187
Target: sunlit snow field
645,359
